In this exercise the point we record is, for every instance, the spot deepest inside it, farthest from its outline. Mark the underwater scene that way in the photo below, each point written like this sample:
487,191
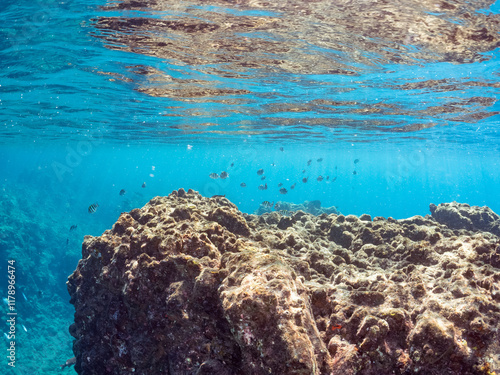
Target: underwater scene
249,187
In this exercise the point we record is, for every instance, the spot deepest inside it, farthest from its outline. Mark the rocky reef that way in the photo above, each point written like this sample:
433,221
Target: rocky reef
310,207
190,285
463,216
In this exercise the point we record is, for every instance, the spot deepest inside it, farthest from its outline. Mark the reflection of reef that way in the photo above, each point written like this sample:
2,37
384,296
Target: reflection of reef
189,285
319,37
235,53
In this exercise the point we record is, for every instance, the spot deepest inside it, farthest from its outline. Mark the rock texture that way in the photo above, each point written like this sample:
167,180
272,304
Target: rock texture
462,216
190,285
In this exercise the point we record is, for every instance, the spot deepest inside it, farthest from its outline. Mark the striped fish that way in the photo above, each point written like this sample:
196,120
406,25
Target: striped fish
93,208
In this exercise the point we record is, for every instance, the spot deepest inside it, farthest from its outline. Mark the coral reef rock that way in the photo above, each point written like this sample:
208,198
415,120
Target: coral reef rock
190,285
310,207
462,216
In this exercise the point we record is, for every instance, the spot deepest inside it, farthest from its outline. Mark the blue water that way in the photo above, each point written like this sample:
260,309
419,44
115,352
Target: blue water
83,115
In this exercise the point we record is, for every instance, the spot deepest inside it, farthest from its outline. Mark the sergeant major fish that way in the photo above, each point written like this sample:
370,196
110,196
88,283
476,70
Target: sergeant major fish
93,208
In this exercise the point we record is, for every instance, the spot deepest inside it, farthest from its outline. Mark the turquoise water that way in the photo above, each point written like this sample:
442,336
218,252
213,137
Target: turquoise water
93,101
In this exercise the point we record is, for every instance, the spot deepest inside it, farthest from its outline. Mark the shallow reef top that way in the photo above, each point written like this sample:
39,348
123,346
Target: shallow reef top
190,285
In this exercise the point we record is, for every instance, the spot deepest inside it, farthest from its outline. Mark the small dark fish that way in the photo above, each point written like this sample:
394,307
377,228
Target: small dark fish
93,208
267,204
213,175
304,180
284,212
263,187
232,165
319,160
273,165
293,186
218,196
333,180
224,175
327,178
303,171
277,206
73,227
320,178
122,192
354,172
280,184
260,172
335,167
356,161
67,241
70,362
263,178
243,184
282,149
283,191
309,162
143,185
